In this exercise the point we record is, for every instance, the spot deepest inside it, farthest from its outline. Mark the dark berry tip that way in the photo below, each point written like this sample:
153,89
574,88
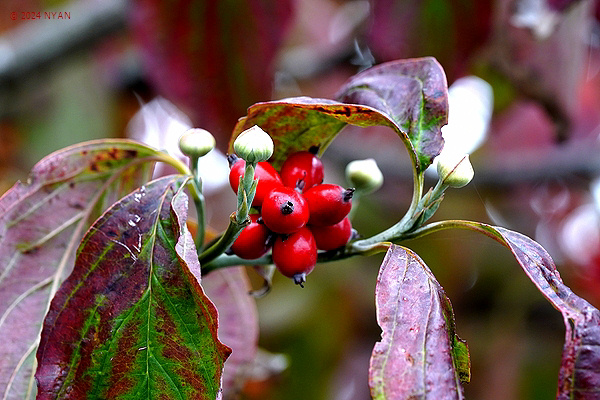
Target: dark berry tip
313,150
348,193
300,183
299,279
232,159
287,208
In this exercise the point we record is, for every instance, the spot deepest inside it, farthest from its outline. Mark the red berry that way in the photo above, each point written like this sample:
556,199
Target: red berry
284,210
302,170
253,241
328,204
295,256
331,237
268,178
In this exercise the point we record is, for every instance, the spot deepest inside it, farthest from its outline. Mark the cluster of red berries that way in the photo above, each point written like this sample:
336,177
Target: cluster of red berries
298,214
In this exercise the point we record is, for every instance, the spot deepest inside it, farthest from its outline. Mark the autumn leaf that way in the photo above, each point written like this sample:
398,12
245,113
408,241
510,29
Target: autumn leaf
41,224
132,320
409,96
414,94
579,374
419,355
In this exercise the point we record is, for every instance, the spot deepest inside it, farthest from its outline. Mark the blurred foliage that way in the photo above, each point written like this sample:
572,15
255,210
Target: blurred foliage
547,114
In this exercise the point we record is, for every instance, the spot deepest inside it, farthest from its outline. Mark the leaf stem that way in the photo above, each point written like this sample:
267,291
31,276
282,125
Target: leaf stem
224,242
450,224
199,202
226,260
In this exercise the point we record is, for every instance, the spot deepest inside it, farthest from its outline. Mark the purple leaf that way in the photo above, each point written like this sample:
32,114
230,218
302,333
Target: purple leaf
419,355
229,289
579,374
41,224
214,58
413,93
132,320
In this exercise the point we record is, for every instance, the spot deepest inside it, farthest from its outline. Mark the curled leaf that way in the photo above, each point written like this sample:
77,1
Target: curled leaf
579,374
409,96
414,94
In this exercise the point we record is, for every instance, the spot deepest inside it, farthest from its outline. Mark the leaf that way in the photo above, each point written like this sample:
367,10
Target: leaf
413,93
132,320
41,223
419,355
229,288
302,122
214,58
416,109
579,374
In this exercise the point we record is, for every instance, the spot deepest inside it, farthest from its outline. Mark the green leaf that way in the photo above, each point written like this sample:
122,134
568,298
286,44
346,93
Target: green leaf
41,224
132,320
419,355
414,94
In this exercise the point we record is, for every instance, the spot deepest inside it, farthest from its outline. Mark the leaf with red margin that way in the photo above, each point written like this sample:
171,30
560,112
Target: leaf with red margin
229,289
409,96
579,374
41,224
419,355
132,320
215,58
413,93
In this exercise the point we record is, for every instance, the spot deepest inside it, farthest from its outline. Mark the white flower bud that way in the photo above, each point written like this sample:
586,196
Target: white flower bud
364,175
196,142
254,145
454,170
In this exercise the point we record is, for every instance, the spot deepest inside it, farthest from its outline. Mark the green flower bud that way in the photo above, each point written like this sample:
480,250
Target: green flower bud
254,145
454,170
196,142
364,175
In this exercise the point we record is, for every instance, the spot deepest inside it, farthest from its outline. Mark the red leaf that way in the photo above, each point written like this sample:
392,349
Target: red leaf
419,355
132,320
41,223
215,58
